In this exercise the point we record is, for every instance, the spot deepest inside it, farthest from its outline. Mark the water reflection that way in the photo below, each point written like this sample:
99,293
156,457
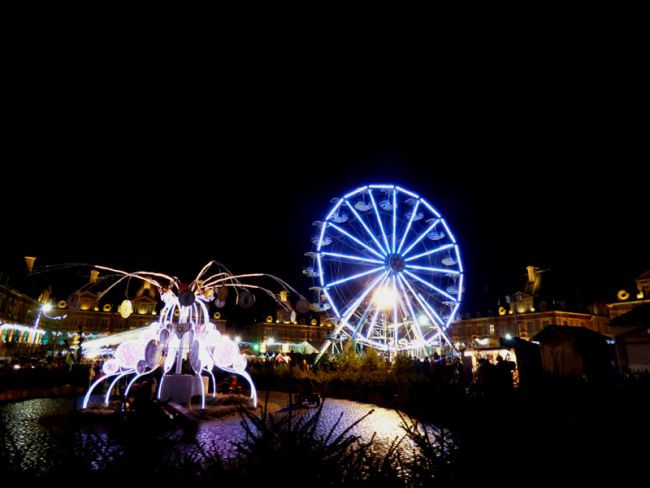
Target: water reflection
27,444
32,441
383,423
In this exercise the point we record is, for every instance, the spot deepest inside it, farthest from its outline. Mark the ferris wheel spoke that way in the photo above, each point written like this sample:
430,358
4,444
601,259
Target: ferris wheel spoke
358,259
381,225
361,322
394,217
350,236
451,236
433,287
453,313
433,311
460,288
414,318
433,316
356,302
428,253
421,236
460,263
373,321
331,302
373,324
441,330
418,297
408,226
353,277
433,270
356,214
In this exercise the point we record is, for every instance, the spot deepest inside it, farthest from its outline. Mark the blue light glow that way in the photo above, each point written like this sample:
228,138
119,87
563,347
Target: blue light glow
352,193
408,226
381,225
433,287
320,271
414,317
433,270
433,210
334,209
421,301
394,218
353,277
352,308
364,225
395,308
347,234
428,253
322,234
460,287
411,194
331,302
460,262
353,258
420,237
451,236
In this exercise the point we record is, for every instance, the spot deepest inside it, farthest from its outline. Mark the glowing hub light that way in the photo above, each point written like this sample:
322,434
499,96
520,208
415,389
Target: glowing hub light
508,337
385,298
423,319
47,307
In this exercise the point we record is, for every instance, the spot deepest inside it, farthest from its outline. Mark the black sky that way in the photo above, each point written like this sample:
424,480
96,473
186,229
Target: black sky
542,168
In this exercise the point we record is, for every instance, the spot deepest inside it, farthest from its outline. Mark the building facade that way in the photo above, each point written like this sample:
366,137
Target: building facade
283,336
627,300
21,322
487,331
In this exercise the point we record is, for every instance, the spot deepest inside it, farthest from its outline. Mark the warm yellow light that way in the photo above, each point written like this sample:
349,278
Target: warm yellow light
385,298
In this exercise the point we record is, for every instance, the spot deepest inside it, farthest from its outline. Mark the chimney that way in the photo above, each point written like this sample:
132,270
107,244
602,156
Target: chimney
29,260
94,274
532,274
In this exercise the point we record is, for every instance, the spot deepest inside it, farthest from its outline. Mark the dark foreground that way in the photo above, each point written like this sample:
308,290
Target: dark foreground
566,432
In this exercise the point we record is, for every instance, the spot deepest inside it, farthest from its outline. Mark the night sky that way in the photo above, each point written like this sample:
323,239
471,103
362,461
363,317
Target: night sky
546,183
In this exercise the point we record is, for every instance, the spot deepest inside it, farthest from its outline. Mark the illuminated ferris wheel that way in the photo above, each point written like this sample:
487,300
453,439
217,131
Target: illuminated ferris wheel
387,268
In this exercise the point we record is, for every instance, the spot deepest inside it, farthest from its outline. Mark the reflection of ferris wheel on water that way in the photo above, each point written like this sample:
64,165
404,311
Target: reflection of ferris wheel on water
388,269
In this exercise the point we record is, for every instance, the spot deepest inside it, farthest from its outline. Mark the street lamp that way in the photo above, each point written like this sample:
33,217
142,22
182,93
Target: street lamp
43,310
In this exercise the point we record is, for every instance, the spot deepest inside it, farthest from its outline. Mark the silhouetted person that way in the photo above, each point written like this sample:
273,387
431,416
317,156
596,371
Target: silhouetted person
503,377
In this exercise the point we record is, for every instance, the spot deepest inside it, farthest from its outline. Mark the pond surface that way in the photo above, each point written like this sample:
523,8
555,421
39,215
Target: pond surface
35,434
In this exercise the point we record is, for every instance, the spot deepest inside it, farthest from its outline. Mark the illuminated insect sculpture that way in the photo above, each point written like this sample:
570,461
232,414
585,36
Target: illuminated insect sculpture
184,326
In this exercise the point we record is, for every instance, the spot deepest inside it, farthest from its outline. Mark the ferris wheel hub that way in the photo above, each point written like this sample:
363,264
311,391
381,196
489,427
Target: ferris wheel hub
396,263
